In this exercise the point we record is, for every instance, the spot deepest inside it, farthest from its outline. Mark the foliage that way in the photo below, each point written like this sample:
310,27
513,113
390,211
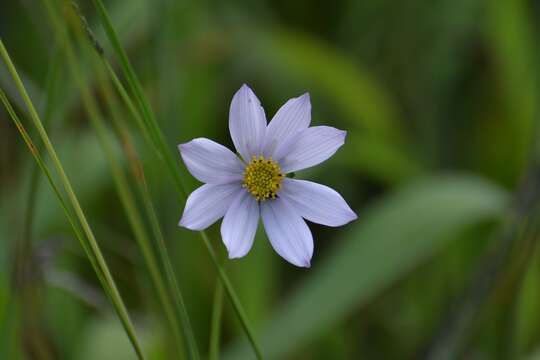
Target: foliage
439,99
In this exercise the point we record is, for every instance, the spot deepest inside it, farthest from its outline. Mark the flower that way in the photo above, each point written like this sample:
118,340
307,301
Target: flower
254,184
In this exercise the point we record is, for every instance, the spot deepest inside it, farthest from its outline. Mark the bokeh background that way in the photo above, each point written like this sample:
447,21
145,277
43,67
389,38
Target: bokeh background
440,101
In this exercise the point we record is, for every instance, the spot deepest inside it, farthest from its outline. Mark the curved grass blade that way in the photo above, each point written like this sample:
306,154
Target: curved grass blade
43,167
23,264
137,171
123,187
215,329
152,127
113,292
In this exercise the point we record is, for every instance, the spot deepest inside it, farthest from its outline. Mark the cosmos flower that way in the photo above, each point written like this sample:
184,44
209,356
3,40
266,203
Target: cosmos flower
254,184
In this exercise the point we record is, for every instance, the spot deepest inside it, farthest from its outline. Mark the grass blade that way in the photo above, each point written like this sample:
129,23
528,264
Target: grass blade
137,171
113,292
215,329
152,127
43,167
23,249
122,185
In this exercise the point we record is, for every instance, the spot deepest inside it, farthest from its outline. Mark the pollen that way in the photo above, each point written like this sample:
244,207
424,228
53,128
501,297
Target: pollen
262,178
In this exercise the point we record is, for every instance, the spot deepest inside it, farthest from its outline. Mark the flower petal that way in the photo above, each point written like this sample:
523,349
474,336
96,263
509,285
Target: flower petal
207,204
317,203
240,224
287,231
293,116
211,162
247,123
309,147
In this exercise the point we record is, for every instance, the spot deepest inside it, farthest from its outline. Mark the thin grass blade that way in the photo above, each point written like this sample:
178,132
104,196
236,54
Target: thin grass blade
155,133
164,153
113,292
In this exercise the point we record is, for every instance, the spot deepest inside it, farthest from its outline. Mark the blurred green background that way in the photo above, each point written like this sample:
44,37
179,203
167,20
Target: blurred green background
440,101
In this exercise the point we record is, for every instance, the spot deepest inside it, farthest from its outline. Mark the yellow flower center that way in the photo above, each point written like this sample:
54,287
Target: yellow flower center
262,178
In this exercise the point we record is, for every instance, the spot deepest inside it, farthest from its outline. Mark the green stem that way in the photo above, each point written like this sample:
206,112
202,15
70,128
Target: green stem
237,305
92,242
215,329
155,133
169,270
127,100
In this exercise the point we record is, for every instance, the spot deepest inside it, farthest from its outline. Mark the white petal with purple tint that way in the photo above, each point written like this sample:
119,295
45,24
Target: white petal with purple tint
309,147
247,123
287,231
317,203
240,224
207,204
233,186
211,162
293,116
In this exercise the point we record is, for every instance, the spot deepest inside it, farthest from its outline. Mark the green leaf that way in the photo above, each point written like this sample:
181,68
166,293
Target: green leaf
389,240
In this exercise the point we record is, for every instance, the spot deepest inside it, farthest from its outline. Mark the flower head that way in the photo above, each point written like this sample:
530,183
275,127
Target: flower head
254,185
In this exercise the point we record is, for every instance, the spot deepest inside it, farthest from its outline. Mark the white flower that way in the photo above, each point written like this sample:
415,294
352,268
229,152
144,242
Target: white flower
243,189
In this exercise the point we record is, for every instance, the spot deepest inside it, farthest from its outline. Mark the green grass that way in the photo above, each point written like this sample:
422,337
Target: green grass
88,242
126,194
439,101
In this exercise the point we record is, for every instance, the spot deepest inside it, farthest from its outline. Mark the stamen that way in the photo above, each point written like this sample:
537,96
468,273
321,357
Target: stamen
262,178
